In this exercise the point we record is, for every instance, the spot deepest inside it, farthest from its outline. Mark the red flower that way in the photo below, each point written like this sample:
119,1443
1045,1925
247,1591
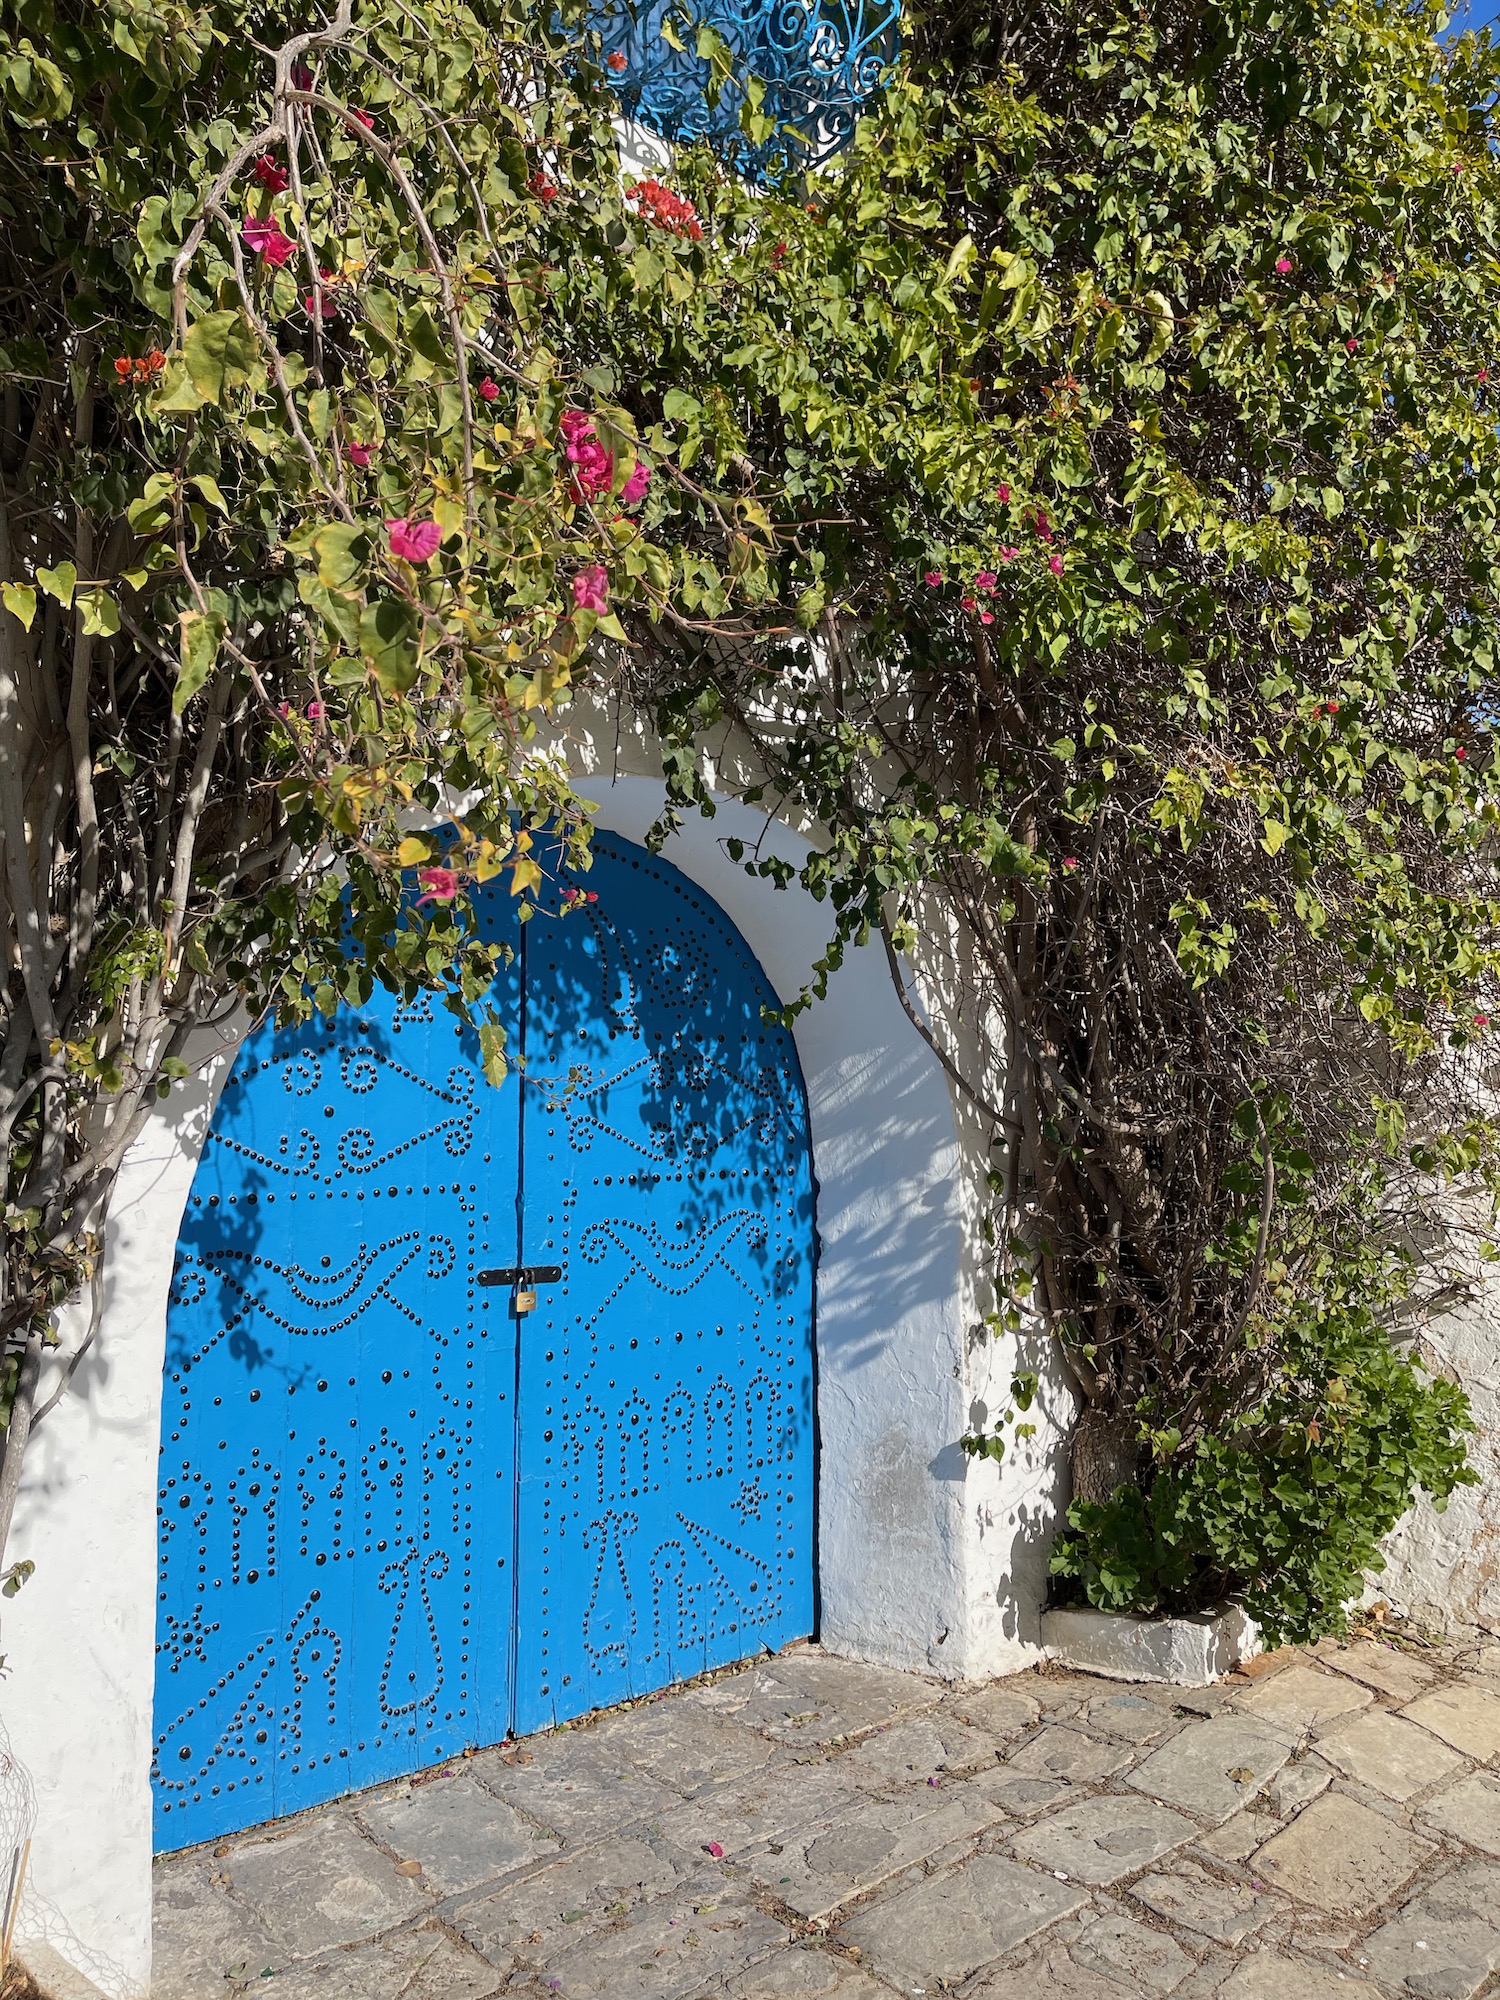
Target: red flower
1481,1020
302,78
1002,494
969,603
489,389
360,454
1483,375
1041,524
542,188
441,885
932,578
672,212
267,239
271,177
414,541
1352,344
616,60
363,116
1460,754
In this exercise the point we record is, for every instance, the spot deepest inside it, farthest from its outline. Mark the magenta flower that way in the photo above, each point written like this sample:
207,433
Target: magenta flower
969,603
414,541
271,176
1042,525
635,486
360,454
591,588
1352,344
932,578
302,78
489,389
1283,265
363,116
1070,861
986,617
315,711
986,580
441,885
1055,564
319,305
267,239
1002,494
1008,553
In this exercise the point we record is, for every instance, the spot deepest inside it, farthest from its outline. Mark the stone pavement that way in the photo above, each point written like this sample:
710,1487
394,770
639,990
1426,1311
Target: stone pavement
1327,1828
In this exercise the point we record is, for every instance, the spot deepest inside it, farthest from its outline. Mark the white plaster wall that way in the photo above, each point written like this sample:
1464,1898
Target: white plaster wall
80,1638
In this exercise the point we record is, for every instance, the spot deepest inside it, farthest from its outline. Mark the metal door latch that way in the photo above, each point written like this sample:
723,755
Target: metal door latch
525,1278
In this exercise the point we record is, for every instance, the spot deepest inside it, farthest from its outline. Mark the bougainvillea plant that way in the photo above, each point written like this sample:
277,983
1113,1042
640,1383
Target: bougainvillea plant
305,524
1123,402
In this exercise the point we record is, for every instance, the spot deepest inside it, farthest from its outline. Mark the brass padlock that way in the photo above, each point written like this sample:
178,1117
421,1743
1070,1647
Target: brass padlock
525,1301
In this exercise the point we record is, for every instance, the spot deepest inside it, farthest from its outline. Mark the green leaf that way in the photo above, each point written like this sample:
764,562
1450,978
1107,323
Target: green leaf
59,583
221,352
20,602
201,634
388,640
342,551
101,615
209,488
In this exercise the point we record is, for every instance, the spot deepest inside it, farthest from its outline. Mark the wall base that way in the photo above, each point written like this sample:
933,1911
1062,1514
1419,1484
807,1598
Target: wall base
1186,1652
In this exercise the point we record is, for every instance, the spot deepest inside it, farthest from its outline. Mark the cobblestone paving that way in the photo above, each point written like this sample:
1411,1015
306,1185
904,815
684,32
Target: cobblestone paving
1325,1828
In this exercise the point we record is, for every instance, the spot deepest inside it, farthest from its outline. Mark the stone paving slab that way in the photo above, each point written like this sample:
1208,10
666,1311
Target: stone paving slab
1300,1698
461,1834
1100,1839
424,1964
811,1698
1214,1769
1188,1896
593,1889
1468,1718
1144,1960
1385,1751
1446,1940
1135,1717
1272,1975
322,1885
809,1973
674,1948
201,1934
927,1746
1469,1811
867,1844
1002,1709
1385,1669
574,1788
958,1922
773,1806
1340,1855
1063,1752
679,1745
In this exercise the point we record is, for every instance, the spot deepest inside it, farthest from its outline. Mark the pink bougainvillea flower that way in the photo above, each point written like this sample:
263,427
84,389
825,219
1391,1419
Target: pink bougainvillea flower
986,617
320,303
1055,564
414,541
591,588
634,489
267,239
302,77
1002,494
1041,524
315,711
284,710
363,116
1483,375
1352,344
440,884
986,579
271,176
1481,1020
932,578
969,603
1460,754
1283,265
360,454
593,466
1007,554
616,60
712,1847
1070,861
489,388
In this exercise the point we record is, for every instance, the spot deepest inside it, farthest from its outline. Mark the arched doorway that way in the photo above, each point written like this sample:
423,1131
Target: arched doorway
401,1507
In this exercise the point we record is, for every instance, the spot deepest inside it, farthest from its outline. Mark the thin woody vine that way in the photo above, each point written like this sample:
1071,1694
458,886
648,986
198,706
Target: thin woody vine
1077,502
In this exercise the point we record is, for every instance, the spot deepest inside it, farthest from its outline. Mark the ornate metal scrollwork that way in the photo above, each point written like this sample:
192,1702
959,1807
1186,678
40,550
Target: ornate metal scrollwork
820,60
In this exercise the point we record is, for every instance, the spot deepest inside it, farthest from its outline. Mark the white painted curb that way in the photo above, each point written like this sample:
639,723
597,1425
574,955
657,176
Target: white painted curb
1187,1652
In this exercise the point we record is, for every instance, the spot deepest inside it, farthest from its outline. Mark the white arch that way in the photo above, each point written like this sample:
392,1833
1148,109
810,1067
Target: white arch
891,1404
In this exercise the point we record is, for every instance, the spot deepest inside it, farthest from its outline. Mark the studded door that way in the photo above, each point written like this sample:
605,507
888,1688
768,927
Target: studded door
667,1406
353,1582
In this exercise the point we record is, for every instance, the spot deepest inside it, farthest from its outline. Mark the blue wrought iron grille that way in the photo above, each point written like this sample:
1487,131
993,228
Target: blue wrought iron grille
402,1510
820,60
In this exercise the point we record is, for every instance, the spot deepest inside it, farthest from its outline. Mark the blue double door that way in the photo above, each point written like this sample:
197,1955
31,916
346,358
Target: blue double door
402,1510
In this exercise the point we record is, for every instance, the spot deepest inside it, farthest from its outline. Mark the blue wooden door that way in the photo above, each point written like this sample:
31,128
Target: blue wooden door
397,1516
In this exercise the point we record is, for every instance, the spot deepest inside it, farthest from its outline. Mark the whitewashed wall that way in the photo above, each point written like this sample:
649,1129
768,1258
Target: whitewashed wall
926,1560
